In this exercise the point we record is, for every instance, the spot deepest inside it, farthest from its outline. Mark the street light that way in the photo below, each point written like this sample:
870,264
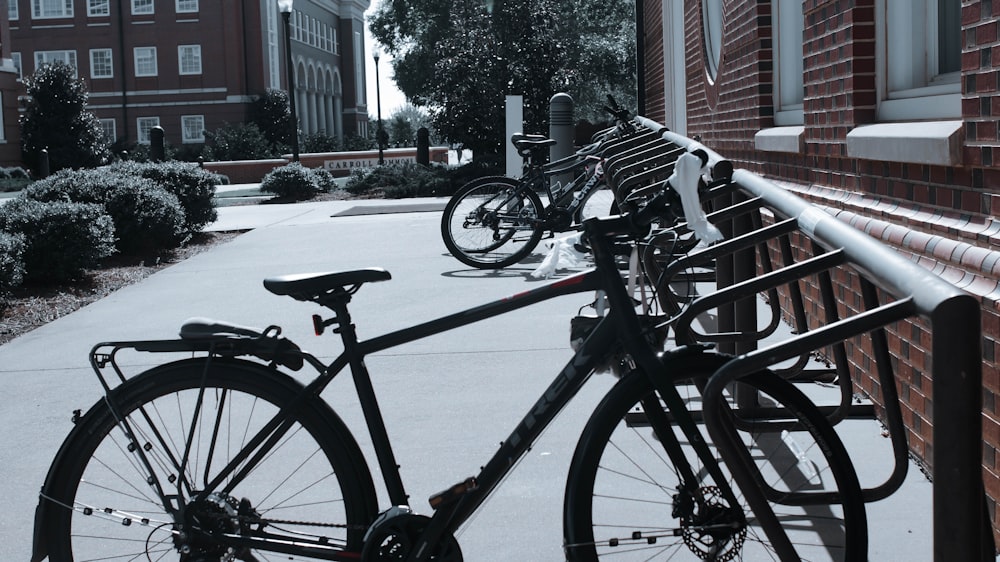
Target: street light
380,134
285,7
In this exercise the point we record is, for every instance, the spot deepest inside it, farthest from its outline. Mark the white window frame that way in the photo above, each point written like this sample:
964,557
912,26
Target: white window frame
12,11
192,129
189,55
98,8
49,9
143,7
141,57
787,30
96,65
186,6
143,125
909,84
109,128
43,58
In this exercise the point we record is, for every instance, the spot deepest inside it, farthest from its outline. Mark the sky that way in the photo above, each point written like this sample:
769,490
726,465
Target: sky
392,98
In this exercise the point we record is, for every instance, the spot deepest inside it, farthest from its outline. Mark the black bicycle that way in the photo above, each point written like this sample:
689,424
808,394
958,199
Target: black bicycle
497,221
225,456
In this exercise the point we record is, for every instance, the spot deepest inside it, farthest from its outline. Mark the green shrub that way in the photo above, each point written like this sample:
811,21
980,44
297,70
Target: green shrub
61,239
11,261
238,142
295,181
397,181
147,218
194,187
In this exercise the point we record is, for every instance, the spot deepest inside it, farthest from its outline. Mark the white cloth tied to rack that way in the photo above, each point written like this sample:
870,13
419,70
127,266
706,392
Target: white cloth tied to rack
687,171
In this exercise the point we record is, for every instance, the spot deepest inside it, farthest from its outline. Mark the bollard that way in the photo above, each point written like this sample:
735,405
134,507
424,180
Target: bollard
562,130
43,163
423,146
156,150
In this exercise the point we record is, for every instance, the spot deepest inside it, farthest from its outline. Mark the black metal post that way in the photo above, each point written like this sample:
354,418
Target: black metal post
380,134
286,16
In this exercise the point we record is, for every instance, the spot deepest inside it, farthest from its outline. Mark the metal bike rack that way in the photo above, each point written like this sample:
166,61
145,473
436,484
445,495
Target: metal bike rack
892,288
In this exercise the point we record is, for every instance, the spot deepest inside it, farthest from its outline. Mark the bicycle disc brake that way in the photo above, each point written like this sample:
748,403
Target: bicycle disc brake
711,531
394,533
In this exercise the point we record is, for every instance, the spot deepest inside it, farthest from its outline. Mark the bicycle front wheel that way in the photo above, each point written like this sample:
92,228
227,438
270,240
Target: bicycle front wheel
125,489
599,203
492,223
629,498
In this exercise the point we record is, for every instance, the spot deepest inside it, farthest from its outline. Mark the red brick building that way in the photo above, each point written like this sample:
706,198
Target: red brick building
194,65
887,108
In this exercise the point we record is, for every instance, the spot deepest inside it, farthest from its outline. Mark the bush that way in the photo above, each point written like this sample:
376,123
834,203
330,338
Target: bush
147,218
295,181
61,239
238,142
11,261
399,181
194,187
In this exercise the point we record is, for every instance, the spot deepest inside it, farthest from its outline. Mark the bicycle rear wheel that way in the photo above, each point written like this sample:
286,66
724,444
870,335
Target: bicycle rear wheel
492,223
627,500
311,487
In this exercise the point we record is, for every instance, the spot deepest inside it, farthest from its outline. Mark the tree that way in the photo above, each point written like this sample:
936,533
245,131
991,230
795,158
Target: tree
460,61
404,124
56,118
272,114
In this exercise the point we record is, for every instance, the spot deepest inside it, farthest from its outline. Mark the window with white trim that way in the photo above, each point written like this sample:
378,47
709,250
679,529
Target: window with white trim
189,59
144,125
12,13
43,58
98,8
919,59
16,59
787,24
145,61
142,7
109,130
187,6
192,128
41,9
101,63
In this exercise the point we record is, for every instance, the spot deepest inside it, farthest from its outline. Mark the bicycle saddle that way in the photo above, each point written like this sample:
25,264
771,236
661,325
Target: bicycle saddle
311,286
522,141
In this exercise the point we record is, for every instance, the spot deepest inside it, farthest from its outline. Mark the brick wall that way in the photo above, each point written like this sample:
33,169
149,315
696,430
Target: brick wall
938,216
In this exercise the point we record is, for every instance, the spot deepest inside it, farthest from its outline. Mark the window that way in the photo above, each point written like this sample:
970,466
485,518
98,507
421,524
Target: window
145,61
189,59
788,89
919,66
144,125
101,65
140,7
109,130
12,13
16,59
187,6
193,128
51,9
97,8
43,58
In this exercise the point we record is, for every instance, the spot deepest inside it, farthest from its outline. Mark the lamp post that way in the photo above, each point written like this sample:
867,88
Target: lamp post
285,7
380,134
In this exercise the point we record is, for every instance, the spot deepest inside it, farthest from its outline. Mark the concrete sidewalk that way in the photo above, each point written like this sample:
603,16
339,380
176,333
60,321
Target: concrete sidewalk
447,399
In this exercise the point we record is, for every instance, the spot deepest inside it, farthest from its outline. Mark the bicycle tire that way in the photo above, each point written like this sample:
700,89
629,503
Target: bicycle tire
313,483
481,234
624,499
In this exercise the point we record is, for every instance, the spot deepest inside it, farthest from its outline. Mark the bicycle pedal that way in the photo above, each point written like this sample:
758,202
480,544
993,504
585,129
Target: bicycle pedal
451,494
